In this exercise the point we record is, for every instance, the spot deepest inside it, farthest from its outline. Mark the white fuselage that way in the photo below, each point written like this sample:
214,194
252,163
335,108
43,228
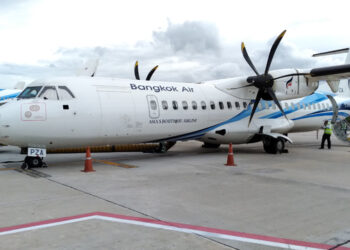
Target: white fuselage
114,111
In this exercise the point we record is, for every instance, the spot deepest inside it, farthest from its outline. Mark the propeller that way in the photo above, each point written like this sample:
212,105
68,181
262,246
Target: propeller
263,82
136,72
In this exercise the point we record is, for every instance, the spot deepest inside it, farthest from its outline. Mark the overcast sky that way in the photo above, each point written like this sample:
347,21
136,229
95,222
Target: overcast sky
192,41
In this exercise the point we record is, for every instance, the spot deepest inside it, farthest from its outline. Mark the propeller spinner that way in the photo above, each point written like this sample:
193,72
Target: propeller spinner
263,82
136,72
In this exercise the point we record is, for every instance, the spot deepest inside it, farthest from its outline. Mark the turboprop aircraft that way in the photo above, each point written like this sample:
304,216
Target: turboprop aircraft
9,94
59,112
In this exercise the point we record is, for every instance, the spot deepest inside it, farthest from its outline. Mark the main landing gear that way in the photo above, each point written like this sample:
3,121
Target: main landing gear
33,162
274,145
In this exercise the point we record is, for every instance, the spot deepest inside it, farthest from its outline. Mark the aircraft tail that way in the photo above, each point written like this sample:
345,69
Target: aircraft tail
334,85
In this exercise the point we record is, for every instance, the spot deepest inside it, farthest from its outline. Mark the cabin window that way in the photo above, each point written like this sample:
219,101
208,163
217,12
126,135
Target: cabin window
327,106
184,105
194,105
314,106
237,105
175,106
204,106
318,106
245,105
153,104
309,106
262,105
49,93
323,106
165,105
212,105
273,105
286,105
229,105
293,106
64,93
30,92
221,105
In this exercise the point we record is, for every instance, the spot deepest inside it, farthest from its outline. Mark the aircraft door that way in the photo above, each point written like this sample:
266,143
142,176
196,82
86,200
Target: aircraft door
153,106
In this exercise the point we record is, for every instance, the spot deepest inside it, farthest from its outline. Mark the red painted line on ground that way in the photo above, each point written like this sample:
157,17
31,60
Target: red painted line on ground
178,225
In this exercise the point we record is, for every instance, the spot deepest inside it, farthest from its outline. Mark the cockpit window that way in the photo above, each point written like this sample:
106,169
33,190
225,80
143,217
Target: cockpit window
64,93
49,93
29,92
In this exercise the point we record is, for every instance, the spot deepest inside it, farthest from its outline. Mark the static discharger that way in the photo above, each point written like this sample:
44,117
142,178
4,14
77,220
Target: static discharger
230,160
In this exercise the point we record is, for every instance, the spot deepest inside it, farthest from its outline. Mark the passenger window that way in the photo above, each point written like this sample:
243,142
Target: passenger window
194,105
245,105
221,105
260,106
153,104
286,105
184,105
309,106
212,105
327,106
64,93
273,105
314,106
49,93
175,106
323,106
229,105
237,105
293,106
318,106
165,105
204,106
29,92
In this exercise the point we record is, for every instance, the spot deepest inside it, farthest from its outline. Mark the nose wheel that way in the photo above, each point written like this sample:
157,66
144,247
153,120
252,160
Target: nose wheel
33,162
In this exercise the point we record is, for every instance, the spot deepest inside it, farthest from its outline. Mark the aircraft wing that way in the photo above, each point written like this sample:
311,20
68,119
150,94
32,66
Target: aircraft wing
331,74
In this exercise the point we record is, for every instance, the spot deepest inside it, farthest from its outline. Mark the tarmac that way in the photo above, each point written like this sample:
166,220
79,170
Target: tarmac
183,199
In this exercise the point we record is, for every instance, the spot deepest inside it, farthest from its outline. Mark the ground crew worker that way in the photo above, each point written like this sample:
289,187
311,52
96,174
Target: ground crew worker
327,126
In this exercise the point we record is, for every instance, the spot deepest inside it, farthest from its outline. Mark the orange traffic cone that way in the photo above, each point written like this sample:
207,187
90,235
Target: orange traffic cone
230,161
88,162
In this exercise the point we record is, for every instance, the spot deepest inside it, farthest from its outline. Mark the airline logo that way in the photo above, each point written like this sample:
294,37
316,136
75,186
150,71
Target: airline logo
289,82
160,88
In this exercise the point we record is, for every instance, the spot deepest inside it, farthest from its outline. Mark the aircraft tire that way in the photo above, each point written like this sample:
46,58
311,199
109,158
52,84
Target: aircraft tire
33,162
273,146
210,145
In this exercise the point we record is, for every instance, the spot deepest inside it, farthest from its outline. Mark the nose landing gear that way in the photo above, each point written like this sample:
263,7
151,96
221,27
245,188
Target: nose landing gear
33,162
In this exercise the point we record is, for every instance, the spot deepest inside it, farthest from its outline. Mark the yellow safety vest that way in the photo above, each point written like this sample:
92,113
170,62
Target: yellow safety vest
328,129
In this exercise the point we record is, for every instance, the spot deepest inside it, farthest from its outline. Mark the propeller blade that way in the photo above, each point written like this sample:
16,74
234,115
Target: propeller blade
136,70
273,50
247,58
294,74
151,73
257,100
245,86
272,94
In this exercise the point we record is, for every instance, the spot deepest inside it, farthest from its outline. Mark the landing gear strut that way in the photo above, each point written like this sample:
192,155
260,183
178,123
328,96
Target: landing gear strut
274,145
33,162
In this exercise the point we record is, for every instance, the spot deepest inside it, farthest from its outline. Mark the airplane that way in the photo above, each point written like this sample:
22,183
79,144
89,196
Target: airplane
9,94
59,112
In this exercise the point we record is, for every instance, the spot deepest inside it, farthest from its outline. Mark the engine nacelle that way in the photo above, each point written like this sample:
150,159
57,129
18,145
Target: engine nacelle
291,87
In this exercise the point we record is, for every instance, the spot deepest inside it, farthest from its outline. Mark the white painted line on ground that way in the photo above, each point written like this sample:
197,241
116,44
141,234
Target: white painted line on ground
178,227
